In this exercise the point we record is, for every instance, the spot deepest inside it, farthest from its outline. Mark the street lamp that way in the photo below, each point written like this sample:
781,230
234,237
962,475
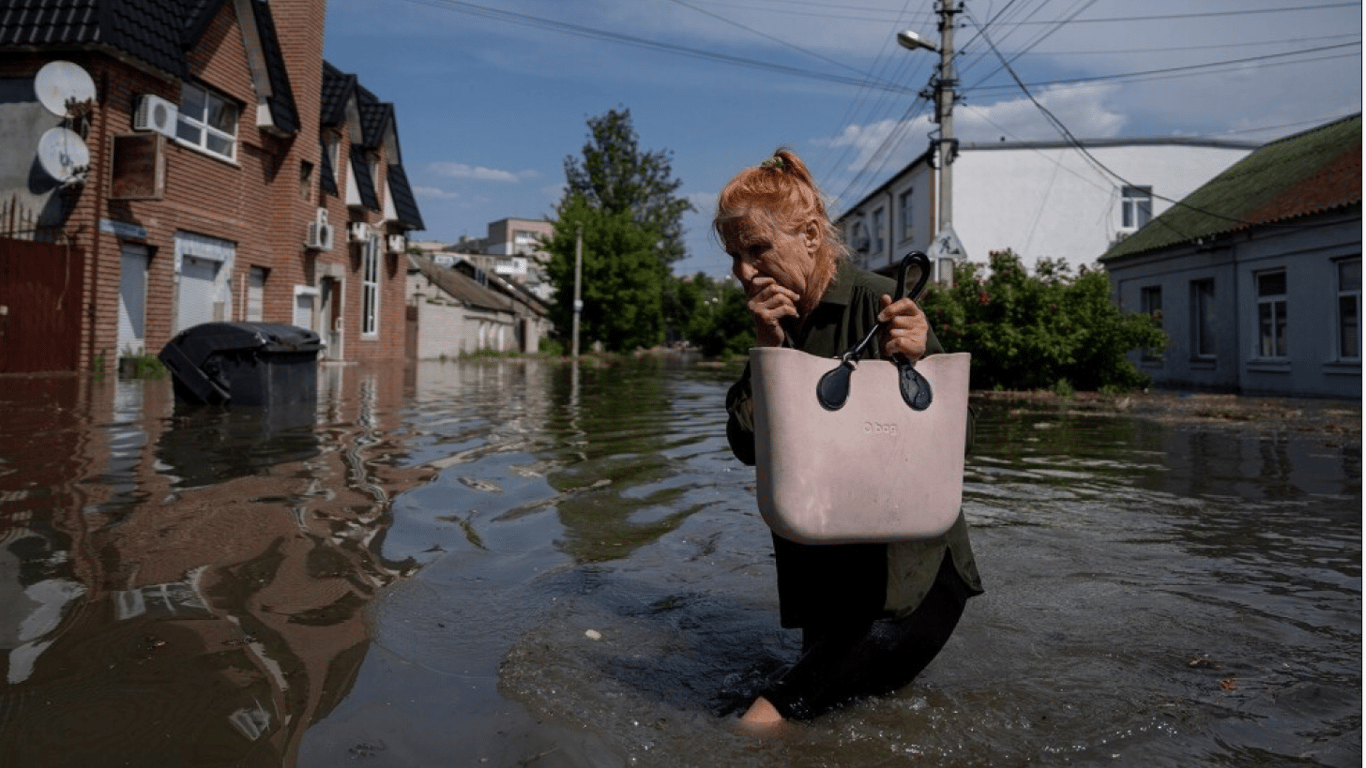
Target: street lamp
910,41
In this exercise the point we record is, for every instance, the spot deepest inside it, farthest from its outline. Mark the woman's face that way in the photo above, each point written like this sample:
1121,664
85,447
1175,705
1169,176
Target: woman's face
759,248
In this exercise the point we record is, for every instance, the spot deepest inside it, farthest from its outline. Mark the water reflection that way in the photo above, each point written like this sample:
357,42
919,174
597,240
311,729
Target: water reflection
528,562
189,585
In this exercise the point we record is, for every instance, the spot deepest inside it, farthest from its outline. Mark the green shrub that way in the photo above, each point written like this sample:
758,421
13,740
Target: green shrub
1042,331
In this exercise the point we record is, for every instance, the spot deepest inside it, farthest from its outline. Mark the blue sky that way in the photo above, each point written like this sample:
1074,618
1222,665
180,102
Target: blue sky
492,95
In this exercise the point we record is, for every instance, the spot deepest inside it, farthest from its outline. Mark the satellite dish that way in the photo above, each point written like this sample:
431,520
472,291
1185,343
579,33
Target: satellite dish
63,154
60,83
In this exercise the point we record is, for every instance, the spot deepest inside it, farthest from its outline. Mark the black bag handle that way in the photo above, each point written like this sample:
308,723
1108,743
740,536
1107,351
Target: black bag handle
832,391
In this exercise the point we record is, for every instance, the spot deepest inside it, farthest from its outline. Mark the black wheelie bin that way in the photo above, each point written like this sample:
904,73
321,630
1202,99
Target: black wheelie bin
244,363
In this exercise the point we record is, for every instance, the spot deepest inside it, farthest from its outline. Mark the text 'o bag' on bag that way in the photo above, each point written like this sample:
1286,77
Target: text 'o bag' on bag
867,451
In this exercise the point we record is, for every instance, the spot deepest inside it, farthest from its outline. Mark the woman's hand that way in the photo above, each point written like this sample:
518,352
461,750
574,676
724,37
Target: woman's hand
908,331
770,303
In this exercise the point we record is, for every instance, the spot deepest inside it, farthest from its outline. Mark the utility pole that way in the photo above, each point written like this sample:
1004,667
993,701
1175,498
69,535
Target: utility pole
944,97
578,279
945,246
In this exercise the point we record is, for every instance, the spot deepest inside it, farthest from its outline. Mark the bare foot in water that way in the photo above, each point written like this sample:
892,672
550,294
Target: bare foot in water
762,716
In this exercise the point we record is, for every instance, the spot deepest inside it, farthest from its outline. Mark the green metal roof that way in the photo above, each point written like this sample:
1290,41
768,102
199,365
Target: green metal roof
1311,172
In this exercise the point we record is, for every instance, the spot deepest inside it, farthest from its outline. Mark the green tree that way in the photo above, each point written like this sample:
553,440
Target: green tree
711,314
616,176
623,280
1052,330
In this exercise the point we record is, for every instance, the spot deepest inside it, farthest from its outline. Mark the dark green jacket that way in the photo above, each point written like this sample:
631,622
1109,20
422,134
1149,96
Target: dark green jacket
841,583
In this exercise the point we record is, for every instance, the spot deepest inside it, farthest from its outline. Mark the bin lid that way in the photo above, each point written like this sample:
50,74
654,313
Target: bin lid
191,351
265,337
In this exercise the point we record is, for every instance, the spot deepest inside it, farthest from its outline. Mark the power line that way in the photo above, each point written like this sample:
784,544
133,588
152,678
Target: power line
767,36
1203,46
640,42
1077,144
1205,68
1207,14
881,108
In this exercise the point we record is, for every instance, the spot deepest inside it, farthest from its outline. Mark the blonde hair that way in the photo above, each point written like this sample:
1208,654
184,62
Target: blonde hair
782,191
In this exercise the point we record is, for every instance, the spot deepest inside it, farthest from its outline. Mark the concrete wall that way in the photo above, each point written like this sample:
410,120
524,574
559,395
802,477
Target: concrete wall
1040,200
1309,252
450,330
1054,202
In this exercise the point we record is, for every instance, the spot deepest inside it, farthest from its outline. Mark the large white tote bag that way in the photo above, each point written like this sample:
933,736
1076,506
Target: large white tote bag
849,451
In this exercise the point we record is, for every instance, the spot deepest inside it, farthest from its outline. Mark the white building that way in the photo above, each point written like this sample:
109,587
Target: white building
1039,199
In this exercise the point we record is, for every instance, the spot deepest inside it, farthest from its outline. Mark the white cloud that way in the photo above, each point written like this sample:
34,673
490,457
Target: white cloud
435,193
478,173
704,202
1084,109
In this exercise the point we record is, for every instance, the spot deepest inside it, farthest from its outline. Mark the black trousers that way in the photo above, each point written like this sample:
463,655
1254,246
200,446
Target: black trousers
842,664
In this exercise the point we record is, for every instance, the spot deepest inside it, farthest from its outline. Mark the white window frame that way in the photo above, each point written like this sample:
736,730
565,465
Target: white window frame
1136,207
197,131
1203,318
1273,325
905,210
369,287
312,293
524,242
1342,320
879,235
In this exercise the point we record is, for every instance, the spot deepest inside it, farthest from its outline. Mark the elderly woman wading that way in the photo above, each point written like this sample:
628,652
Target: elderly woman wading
872,615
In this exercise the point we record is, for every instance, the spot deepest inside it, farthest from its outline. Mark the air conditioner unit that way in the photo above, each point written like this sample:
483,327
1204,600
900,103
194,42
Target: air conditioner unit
319,236
155,114
397,243
359,231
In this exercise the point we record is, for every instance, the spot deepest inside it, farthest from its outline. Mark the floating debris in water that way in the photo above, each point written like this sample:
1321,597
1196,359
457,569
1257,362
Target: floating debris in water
592,634
480,485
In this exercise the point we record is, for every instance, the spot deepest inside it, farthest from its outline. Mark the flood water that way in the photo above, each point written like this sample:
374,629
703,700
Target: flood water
532,563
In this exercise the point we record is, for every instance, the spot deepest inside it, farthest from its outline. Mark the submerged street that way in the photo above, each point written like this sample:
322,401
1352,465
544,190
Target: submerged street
531,562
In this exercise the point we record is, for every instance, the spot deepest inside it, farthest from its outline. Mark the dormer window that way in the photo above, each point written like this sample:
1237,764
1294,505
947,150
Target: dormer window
207,122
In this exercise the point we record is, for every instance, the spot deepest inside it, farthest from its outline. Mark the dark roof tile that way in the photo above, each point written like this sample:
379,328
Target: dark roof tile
375,116
405,203
338,87
281,100
363,179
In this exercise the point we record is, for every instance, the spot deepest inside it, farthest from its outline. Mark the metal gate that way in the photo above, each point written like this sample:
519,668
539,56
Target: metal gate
41,292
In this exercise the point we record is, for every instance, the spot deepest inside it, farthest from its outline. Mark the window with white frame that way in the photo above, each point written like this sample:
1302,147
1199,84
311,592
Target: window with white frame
1150,303
207,121
1136,206
1349,309
904,211
1202,318
1271,314
369,286
879,225
306,307
858,237
524,242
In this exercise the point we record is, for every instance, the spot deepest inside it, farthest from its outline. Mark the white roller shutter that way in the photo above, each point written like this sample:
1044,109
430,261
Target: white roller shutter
132,299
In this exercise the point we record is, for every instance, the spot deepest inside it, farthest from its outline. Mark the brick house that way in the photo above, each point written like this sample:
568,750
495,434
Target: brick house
173,162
